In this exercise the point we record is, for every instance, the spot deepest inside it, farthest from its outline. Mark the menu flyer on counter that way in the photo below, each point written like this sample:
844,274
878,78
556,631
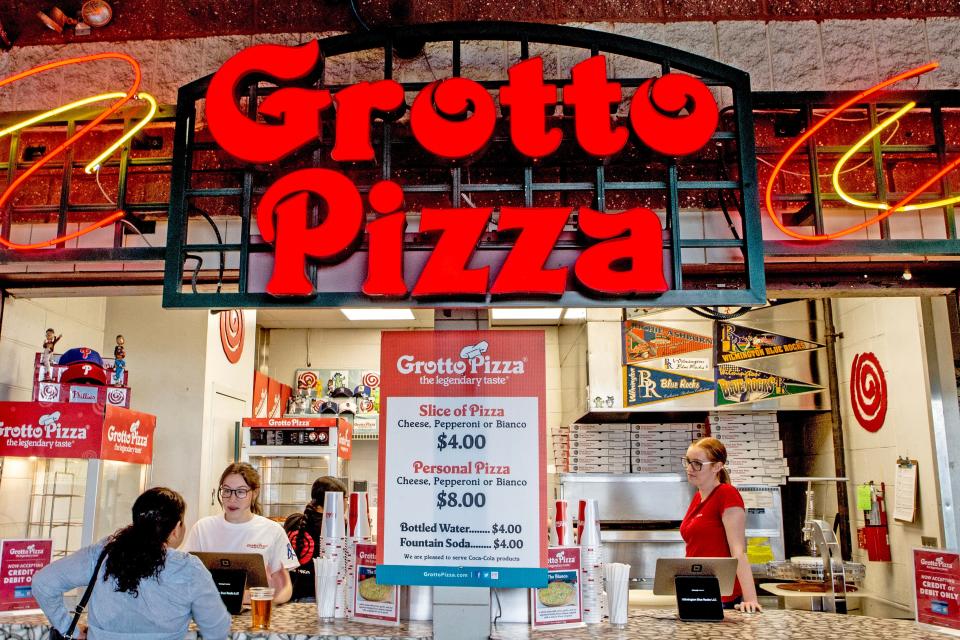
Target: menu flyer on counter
19,560
560,603
372,601
937,587
462,488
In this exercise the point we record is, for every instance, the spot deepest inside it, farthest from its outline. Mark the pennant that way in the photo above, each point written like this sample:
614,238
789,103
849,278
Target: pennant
736,343
645,341
736,385
642,385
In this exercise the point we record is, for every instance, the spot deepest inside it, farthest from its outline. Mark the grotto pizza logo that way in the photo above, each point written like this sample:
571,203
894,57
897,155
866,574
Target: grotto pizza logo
453,119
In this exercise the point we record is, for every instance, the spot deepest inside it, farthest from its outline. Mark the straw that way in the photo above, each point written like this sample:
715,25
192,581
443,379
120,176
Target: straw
325,578
617,577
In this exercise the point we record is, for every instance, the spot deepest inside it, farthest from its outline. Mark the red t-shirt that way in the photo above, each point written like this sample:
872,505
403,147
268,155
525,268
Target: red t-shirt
702,527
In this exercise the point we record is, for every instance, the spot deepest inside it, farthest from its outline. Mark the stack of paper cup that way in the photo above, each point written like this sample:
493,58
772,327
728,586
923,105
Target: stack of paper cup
617,578
563,524
591,562
333,545
325,583
358,532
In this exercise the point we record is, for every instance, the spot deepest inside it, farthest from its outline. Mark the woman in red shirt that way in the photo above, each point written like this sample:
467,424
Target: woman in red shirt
715,523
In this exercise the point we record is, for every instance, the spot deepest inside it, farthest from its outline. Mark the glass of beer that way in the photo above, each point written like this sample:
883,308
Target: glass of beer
261,603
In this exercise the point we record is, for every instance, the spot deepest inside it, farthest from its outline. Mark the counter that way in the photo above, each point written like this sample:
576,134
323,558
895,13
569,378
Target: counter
299,622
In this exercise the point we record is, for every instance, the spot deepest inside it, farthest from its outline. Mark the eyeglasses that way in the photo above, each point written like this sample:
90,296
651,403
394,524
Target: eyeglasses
696,464
226,492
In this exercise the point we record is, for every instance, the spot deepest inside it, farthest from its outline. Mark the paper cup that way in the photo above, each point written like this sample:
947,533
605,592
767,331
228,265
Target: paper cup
358,522
333,525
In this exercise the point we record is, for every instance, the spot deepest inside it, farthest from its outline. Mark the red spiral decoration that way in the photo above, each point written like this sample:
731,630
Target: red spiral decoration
656,118
371,379
307,380
115,396
868,391
231,334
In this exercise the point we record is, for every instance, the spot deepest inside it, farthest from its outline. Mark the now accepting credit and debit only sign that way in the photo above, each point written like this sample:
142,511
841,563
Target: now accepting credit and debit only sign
463,468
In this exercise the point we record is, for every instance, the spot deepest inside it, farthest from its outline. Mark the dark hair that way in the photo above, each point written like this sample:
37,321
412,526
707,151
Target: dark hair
139,550
49,331
251,476
323,484
717,452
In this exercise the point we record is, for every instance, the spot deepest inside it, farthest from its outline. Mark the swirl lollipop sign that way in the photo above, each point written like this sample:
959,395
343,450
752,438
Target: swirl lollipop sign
231,334
868,391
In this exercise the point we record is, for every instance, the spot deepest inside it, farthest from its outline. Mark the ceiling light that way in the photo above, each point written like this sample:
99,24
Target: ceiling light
575,313
907,275
552,313
377,314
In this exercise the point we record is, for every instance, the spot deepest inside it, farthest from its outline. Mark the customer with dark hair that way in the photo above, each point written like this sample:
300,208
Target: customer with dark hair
715,523
241,528
145,587
303,530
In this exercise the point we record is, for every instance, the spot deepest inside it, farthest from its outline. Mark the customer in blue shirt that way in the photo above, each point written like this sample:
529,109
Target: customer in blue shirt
147,589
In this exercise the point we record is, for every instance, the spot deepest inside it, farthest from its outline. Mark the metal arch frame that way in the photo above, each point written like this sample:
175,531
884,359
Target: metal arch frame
715,73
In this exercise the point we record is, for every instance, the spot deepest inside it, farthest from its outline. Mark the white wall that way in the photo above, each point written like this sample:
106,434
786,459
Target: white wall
891,328
80,320
175,363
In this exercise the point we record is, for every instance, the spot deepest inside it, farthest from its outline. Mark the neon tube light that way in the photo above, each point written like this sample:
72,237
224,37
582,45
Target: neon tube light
768,195
856,147
87,128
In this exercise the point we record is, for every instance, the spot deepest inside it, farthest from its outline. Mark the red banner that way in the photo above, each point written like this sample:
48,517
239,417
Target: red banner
19,560
50,430
274,392
260,395
291,423
937,575
128,436
345,439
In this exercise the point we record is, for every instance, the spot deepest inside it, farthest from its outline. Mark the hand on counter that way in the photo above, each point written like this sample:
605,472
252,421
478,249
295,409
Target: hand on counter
749,607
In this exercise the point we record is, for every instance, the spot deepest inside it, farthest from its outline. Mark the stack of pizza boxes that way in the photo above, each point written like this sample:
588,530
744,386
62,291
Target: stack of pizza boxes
659,447
560,439
754,449
599,448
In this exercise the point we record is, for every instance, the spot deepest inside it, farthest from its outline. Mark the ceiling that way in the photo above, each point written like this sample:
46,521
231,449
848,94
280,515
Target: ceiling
423,319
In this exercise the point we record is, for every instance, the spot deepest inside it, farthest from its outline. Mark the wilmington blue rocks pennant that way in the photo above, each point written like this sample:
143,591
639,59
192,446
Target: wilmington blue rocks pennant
736,385
736,343
642,385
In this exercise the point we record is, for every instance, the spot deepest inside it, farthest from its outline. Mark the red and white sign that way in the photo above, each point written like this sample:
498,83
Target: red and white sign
937,587
81,393
560,603
292,423
455,118
372,602
231,334
462,484
128,436
345,439
261,394
274,393
868,391
19,560
71,430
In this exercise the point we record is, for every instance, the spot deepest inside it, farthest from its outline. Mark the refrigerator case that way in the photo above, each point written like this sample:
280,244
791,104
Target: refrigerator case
289,454
70,472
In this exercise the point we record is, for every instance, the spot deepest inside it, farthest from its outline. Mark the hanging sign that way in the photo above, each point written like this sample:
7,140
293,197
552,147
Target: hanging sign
642,385
560,604
736,343
736,385
19,560
462,484
645,341
936,576
128,436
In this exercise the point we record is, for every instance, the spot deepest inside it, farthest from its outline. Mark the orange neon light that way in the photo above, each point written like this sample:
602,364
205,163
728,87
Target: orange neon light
768,196
129,95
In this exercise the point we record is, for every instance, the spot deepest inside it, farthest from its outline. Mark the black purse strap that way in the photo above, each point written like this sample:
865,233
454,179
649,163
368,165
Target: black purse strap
86,595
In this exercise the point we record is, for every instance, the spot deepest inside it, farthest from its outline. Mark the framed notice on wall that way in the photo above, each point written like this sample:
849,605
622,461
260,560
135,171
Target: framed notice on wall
463,467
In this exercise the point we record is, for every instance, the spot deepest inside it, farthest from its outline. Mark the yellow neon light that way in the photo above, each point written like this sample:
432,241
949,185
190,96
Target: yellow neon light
881,206
94,164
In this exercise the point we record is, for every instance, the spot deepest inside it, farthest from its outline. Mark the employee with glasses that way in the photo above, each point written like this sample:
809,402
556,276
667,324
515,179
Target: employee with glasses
715,523
241,528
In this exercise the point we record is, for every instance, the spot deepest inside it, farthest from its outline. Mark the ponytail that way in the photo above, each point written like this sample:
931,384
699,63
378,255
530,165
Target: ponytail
716,452
139,550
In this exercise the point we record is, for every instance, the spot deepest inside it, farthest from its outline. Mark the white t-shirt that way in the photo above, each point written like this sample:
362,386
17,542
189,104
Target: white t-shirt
258,535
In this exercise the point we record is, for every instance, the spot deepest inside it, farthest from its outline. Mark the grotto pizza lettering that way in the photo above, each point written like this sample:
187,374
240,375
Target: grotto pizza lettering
453,119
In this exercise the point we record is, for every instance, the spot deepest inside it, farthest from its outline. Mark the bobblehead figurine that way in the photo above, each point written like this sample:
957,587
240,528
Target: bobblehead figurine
119,362
49,344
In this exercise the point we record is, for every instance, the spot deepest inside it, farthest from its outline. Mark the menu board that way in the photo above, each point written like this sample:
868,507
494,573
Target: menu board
937,587
462,489
19,560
